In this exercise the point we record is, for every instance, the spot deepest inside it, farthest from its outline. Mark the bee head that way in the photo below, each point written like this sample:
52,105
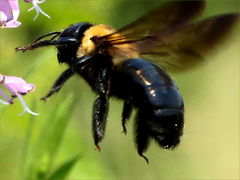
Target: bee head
66,41
69,41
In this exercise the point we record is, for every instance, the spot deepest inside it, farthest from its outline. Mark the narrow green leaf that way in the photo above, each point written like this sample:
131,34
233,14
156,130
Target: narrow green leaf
49,139
26,143
63,170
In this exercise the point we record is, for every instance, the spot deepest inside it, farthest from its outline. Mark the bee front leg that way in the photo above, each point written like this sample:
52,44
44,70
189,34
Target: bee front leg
59,83
80,62
127,110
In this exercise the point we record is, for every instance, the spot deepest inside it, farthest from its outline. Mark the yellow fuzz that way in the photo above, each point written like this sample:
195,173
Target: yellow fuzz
119,52
87,46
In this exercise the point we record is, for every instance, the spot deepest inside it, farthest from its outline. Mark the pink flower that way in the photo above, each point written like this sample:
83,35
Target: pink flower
17,87
9,12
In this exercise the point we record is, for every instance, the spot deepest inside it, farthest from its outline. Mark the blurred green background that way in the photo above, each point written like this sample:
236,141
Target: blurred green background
58,143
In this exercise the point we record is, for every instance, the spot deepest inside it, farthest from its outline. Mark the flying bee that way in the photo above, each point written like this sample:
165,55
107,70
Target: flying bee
115,64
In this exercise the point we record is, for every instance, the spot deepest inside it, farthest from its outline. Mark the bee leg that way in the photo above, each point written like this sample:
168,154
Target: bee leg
100,111
59,83
127,110
142,134
66,75
101,104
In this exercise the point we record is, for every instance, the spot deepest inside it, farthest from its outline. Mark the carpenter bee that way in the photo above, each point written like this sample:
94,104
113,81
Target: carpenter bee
115,64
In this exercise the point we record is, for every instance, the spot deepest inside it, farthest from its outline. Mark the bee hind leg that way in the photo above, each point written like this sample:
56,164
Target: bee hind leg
127,110
142,137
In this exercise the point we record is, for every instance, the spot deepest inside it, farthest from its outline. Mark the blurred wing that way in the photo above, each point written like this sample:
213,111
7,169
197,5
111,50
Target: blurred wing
177,47
182,47
168,14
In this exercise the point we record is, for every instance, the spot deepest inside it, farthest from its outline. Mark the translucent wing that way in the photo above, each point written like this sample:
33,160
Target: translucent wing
182,47
164,16
167,37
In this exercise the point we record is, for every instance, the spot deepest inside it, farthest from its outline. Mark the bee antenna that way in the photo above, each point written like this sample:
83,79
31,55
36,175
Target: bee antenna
49,34
37,44
41,43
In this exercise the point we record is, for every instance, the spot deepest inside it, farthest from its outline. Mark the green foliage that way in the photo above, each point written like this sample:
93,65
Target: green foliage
63,170
47,144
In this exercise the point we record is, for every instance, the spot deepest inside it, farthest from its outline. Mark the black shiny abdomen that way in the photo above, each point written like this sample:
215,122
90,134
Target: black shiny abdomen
145,84
160,109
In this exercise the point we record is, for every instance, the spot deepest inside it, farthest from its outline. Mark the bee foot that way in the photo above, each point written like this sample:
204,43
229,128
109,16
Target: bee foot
98,147
145,158
44,98
124,131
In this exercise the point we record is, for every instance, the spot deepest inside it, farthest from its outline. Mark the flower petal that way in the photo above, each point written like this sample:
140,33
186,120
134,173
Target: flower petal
17,87
6,9
15,9
25,107
16,84
9,12
4,95
3,19
12,24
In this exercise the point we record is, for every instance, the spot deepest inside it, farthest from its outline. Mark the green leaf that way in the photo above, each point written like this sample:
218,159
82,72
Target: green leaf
49,139
63,170
27,139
